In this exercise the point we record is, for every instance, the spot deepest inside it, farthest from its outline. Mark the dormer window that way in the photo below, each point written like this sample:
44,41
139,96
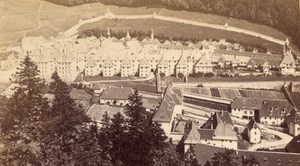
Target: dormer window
278,161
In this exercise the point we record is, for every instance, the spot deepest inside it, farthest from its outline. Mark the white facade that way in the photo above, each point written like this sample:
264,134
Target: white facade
254,135
277,121
114,102
144,71
242,113
294,128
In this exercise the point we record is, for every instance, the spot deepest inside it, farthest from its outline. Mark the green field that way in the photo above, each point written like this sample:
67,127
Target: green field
20,17
214,19
174,29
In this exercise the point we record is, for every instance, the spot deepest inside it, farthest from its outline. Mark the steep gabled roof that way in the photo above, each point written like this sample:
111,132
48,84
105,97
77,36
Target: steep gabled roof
294,145
182,62
222,125
252,124
144,62
116,93
275,108
126,62
193,136
246,103
287,60
203,61
166,108
90,62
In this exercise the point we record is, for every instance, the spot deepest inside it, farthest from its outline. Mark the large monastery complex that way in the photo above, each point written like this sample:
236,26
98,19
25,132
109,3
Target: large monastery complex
129,57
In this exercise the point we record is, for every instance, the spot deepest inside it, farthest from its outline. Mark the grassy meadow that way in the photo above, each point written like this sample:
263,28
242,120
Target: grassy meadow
20,17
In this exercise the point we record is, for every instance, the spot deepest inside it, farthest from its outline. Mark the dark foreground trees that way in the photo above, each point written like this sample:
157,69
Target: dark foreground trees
54,131
22,117
135,140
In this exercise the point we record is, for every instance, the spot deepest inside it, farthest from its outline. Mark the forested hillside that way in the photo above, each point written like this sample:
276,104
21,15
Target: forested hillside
281,14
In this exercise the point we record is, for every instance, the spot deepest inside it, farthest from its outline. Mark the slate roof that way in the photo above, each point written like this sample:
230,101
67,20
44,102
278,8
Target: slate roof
288,60
203,61
116,93
248,54
150,103
90,62
126,62
266,158
294,145
246,103
108,63
295,96
97,86
275,108
268,107
182,62
194,135
144,62
222,124
163,63
206,134
258,58
95,112
204,153
166,108
293,116
252,124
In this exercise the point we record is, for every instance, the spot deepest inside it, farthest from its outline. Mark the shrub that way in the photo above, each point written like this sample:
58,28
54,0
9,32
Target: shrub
162,74
180,75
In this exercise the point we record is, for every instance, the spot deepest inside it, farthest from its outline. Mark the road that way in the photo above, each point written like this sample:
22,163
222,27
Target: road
150,77
108,15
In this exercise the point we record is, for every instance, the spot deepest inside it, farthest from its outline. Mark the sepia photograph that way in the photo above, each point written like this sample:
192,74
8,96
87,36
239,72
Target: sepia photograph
149,82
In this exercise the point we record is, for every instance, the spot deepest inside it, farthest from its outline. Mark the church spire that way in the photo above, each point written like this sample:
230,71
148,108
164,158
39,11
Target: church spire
128,37
152,35
108,32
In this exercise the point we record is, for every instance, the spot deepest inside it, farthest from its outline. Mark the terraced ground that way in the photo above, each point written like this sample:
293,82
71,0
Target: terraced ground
233,93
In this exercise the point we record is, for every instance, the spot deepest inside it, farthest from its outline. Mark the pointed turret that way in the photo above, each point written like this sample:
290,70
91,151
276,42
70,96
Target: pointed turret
108,32
152,35
287,42
128,37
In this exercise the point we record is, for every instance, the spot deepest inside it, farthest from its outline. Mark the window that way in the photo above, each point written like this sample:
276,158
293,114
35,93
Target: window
278,161
255,132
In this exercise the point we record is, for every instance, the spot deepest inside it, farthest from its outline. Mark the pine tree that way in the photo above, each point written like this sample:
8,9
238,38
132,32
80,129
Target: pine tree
118,150
190,157
87,149
63,125
23,115
251,161
227,158
104,136
145,137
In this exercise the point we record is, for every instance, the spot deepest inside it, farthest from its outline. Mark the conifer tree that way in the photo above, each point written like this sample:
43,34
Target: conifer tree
190,157
145,137
63,125
104,137
23,115
118,150
227,158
